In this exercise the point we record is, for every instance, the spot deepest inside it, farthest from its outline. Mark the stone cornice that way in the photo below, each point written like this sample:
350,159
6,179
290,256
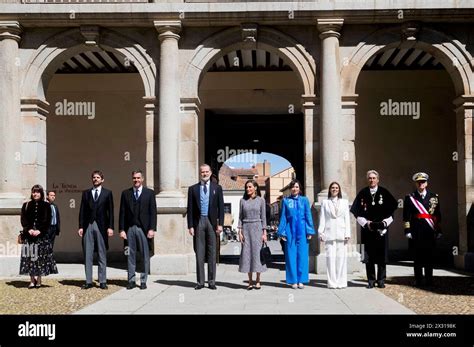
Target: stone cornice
233,14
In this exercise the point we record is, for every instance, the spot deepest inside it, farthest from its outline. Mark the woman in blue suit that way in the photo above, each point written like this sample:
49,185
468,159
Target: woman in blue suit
296,228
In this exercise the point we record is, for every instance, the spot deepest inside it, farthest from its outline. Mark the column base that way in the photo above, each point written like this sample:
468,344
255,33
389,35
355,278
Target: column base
172,264
464,261
10,203
171,202
10,265
353,263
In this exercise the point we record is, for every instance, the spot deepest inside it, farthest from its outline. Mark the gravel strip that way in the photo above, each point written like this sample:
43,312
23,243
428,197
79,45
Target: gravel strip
56,296
449,295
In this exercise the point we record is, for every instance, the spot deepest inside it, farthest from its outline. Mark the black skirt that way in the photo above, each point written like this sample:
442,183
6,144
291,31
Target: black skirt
37,258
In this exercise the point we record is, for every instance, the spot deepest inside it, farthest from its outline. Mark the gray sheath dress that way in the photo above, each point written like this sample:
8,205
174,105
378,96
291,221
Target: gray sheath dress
252,220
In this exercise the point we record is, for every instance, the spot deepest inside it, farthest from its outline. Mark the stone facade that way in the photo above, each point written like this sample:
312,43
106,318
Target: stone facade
173,44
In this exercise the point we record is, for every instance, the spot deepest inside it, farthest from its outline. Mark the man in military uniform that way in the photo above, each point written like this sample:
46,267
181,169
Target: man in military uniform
373,208
422,217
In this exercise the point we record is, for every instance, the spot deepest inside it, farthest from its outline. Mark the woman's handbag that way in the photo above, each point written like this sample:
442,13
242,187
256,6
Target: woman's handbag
265,254
20,238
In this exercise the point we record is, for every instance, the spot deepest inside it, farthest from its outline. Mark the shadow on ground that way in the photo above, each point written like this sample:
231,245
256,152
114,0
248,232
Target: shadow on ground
447,285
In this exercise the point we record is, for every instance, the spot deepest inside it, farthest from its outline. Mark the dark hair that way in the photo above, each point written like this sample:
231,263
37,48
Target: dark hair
50,191
295,181
37,188
255,184
97,172
204,164
136,172
339,195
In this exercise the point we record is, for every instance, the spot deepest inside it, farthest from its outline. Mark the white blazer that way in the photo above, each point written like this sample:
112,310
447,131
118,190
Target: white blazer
332,225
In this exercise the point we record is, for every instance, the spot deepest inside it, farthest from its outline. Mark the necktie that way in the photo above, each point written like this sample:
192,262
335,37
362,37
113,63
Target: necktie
96,195
205,188
136,194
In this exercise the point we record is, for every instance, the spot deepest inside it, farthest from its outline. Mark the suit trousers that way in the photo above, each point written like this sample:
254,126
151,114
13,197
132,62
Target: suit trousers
93,236
424,259
336,261
205,247
52,234
381,272
137,242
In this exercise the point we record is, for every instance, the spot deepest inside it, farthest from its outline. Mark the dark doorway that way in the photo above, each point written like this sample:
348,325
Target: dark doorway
278,134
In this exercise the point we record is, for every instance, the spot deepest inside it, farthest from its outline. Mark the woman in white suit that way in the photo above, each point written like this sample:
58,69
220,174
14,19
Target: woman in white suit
334,230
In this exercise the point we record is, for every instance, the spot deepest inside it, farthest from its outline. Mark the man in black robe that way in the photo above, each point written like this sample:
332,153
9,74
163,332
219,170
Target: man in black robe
373,208
422,217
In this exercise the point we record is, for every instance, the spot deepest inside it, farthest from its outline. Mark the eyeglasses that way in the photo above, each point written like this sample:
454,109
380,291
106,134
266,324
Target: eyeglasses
420,182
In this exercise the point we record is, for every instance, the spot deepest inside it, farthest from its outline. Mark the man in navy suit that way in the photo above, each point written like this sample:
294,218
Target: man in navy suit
137,225
96,225
205,214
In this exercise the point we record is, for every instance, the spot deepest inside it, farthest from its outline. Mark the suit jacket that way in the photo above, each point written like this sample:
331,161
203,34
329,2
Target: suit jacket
216,205
58,218
35,215
105,212
147,210
334,225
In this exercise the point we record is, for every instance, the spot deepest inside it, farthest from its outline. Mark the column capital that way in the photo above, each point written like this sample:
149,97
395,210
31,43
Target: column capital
465,102
309,101
10,30
168,29
190,105
150,103
330,27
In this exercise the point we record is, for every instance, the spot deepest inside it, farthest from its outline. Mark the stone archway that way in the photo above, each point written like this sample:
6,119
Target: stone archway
459,64
250,36
41,68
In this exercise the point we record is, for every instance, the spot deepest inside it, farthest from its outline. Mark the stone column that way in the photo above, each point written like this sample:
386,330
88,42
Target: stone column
464,123
169,106
151,163
172,255
10,146
310,109
10,129
330,102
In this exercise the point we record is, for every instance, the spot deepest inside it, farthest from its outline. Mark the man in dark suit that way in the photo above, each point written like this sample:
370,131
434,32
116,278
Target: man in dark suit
137,225
373,208
205,219
55,218
96,225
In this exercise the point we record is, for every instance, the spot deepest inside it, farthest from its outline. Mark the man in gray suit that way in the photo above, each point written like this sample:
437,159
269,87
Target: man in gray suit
137,225
96,224
205,219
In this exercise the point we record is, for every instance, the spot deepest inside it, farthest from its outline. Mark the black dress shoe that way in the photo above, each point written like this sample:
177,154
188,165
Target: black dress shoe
87,286
212,286
143,286
381,285
199,286
103,286
131,285
370,285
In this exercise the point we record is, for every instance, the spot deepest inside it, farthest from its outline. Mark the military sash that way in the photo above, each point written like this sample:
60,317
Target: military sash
423,213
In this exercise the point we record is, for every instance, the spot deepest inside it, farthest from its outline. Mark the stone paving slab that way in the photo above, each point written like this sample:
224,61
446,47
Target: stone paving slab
176,295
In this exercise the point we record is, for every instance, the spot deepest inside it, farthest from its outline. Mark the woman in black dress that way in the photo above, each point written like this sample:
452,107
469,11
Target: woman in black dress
36,251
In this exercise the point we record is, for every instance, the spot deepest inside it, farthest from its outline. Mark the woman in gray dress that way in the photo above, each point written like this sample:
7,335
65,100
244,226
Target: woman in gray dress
252,232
